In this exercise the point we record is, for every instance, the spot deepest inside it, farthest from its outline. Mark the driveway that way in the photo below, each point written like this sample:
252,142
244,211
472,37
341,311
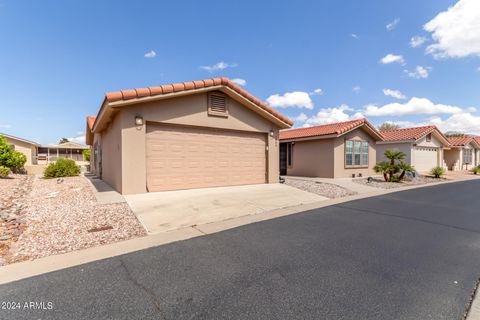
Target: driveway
165,211
407,255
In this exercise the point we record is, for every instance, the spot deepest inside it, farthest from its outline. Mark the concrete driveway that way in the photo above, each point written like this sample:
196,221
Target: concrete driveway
170,210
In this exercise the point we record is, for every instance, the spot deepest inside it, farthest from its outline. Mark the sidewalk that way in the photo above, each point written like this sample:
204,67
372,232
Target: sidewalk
104,193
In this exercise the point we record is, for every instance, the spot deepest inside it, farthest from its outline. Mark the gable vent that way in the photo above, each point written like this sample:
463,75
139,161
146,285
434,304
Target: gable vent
217,104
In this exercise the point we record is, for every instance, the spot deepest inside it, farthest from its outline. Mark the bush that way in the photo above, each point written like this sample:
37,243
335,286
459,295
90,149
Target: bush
86,154
476,170
4,171
437,172
10,158
61,168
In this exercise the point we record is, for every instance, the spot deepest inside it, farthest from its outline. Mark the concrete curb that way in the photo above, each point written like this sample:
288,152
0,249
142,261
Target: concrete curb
26,269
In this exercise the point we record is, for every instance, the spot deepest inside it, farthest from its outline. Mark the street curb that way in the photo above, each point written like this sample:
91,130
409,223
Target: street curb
26,269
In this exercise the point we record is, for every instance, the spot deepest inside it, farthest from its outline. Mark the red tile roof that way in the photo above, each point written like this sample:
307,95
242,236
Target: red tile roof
407,133
325,130
91,121
461,141
192,85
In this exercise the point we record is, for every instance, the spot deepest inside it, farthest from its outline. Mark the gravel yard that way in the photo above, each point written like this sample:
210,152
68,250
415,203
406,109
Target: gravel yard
380,183
64,216
328,190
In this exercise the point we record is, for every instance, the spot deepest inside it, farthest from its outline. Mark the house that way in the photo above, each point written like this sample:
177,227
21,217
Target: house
207,133
465,153
337,150
67,150
27,147
424,147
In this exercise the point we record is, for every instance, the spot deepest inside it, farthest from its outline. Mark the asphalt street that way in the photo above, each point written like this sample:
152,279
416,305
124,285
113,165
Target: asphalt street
406,255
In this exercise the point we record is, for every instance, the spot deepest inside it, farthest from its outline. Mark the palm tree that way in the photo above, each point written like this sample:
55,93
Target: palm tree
394,155
404,168
383,168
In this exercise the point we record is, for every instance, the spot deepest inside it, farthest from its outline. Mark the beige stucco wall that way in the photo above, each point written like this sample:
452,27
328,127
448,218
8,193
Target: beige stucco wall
341,171
28,149
129,175
404,147
312,158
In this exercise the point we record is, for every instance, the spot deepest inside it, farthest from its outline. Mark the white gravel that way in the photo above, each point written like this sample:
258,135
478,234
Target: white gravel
328,190
380,183
59,216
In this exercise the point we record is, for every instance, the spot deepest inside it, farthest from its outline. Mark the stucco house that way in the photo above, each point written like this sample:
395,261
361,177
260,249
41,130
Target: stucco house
337,150
464,154
424,146
206,133
27,147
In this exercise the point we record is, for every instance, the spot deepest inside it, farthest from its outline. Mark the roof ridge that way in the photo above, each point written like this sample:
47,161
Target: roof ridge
410,128
326,124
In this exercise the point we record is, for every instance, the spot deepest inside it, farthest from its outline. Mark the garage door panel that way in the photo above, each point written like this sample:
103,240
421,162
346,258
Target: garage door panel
188,157
425,158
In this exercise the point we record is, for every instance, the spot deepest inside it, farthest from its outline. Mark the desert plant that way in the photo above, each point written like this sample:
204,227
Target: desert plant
61,168
476,170
382,168
86,154
437,172
390,169
10,158
404,168
4,171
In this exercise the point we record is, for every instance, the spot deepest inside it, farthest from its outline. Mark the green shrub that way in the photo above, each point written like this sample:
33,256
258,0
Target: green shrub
10,158
476,170
61,168
4,171
86,154
437,172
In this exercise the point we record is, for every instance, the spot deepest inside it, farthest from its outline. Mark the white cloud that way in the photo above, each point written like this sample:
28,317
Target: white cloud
413,106
456,31
80,138
392,25
354,35
240,82
298,99
461,122
150,54
302,117
405,124
5,126
356,89
332,115
218,66
419,72
417,41
392,58
316,92
394,93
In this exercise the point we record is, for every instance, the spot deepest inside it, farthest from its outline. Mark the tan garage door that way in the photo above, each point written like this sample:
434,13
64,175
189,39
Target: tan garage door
181,157
425,158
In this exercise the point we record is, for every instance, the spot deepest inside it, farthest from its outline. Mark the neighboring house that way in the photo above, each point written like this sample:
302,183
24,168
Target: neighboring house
27,147
424,147
68,150
337,150
464,154
206,133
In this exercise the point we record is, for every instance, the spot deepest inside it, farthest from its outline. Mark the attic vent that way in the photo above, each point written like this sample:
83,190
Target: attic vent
217,104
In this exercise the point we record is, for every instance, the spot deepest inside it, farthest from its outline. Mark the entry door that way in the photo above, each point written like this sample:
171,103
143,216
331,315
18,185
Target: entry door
283,159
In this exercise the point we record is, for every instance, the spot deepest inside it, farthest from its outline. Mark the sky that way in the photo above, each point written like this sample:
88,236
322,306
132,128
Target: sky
409,62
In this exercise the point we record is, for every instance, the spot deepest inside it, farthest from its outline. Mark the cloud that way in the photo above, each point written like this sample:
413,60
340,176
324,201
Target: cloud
332,115
405,124
413,106
218,66
392,25
356,89
80,138
392,58
302,117
354,35
417,41
240,82
297,99
150,54
394,93
317,92
419,72
460,122
5,126
456,31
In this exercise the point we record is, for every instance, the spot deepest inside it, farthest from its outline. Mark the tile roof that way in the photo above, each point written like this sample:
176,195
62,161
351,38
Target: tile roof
192,85
407,133
324,130
91,121
461,141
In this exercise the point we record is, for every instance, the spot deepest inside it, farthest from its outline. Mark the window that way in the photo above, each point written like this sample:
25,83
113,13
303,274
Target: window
429,137
467,156
356,153
217,104
289,154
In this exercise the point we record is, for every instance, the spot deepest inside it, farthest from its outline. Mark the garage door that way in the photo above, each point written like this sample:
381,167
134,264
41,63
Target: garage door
425,158
181,157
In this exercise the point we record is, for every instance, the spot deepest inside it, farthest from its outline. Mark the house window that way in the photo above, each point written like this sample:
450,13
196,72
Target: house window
429,137
356,153
217,104
289,154
467,156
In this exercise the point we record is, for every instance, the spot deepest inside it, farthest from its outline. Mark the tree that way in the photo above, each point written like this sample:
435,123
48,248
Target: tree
86,154
390,169
388,126
10,158
63,140
454,135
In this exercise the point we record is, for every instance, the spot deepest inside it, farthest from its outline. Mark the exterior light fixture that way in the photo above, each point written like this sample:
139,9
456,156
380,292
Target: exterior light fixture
138,121
271,133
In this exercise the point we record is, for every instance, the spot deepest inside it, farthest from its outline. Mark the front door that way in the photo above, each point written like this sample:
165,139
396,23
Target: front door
283,159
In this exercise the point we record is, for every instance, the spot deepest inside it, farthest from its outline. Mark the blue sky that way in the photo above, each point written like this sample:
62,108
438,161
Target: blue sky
58,58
